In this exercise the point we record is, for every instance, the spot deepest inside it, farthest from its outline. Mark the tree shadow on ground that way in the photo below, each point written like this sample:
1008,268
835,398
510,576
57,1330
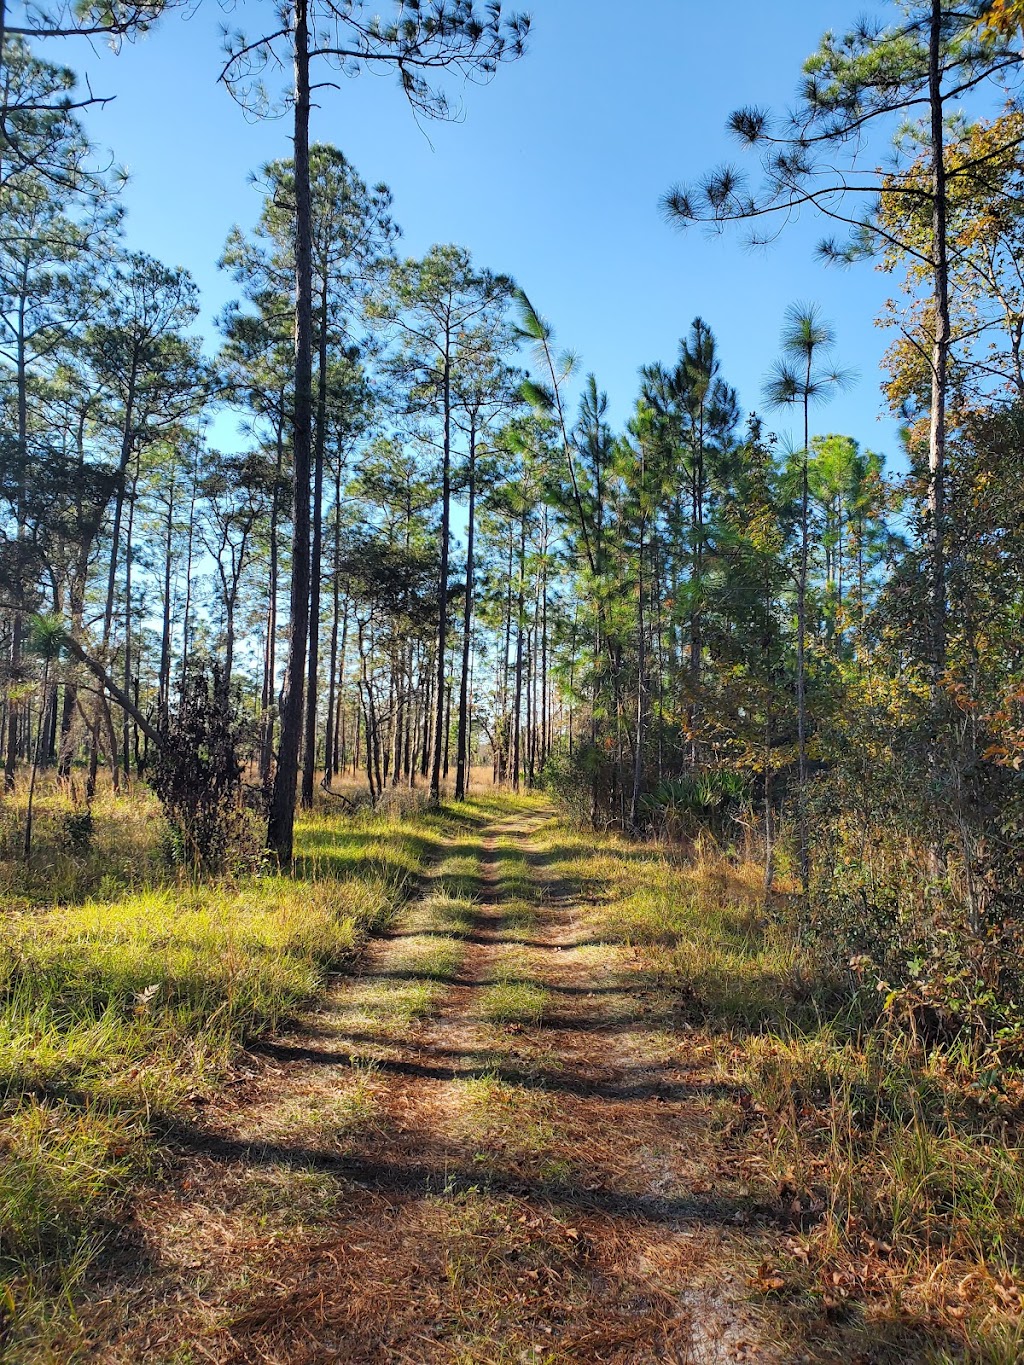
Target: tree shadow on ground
486,940
636,1083
466,983
443,1176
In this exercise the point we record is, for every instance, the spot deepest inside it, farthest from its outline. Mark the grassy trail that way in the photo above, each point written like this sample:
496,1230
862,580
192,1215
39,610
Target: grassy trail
575,1103
488,1147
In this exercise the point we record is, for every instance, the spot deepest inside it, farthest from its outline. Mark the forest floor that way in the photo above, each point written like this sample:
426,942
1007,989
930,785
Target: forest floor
506,1136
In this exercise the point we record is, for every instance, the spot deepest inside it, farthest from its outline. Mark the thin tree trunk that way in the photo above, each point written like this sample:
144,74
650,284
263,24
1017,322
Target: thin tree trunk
329,756
801,650
340,747
129,559
428,704
442,593
189,554
269,698
505,717
408,766
164,678
518,696
641,675
312,679
464,737
531,700
447,726
940,357
545,718
17,625
35,770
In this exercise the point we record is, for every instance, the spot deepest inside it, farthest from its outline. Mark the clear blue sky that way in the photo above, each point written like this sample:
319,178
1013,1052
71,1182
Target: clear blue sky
554,176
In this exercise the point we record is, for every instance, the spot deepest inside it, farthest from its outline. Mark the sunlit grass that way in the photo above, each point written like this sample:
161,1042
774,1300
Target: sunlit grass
513,1002
513,995
424,963
330,1116
125,853
505,1120
125,991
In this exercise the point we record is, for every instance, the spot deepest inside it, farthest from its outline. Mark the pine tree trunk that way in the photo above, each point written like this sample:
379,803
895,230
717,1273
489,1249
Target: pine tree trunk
447,726
464,737
312,678
281,824
17,625
517,703
269,699
545,719
189,553
940,358
641,686
164,676
129,558
442,587
801,651
329,736
428,703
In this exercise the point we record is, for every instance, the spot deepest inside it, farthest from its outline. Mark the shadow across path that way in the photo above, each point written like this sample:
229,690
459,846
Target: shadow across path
423,1179
649,1083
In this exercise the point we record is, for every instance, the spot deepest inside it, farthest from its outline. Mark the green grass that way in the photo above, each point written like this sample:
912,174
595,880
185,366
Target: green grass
126,852
513,996
513,1002
424,968
507,1121
329,1117
125,994
517,888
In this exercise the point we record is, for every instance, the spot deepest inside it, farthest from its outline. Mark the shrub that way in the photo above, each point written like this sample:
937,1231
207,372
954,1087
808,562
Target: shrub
707,798
197,777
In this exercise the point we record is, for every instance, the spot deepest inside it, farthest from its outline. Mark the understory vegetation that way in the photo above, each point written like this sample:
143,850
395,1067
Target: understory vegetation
892,1161
889,1160
127,991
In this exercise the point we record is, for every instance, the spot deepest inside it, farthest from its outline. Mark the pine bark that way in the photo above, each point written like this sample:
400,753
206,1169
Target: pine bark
464,737
281,824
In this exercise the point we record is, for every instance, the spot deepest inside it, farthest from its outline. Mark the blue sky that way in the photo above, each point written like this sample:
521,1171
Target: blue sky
553,175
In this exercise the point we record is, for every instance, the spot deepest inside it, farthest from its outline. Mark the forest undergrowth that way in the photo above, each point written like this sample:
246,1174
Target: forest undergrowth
127,992
894,1163
883,1174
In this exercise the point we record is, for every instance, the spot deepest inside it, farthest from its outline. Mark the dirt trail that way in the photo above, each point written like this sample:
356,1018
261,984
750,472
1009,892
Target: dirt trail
490,1146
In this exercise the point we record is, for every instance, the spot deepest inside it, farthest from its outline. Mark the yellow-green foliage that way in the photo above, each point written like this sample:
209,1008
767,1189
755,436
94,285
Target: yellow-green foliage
702,925
124,854
117,1007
